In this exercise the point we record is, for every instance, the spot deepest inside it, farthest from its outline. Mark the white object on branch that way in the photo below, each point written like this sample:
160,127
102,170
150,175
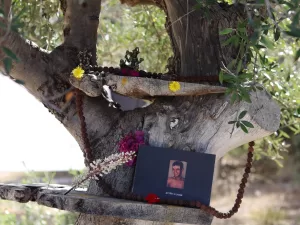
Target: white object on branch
142,87
104,166
101,167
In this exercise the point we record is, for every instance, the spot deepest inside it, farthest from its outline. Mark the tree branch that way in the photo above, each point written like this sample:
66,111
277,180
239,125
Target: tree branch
63,6
158,3
81,19
141,87
31,68
81,24
200,27
5,5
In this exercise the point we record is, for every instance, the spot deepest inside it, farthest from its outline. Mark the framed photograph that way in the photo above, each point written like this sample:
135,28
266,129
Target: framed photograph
174,174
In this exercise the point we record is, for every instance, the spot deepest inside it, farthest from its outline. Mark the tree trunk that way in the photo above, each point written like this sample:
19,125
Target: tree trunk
203,120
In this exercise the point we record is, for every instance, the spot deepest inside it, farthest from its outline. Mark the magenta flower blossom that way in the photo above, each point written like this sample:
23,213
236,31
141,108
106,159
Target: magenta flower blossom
124,71
129,72
131,142
134,73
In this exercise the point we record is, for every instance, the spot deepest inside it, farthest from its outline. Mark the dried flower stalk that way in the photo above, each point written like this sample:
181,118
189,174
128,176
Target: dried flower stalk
104,166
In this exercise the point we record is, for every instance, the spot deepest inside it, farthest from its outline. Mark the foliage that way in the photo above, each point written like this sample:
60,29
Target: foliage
245,125
268,54
267,43
14,213
7,23
38,177
131,59
43,21
123,28
269,216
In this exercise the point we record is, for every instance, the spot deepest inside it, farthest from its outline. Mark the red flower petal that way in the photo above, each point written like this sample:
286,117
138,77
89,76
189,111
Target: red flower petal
152,198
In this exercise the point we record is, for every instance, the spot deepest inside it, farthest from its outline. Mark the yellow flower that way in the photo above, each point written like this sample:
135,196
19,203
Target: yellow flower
174,86
124,81
78,72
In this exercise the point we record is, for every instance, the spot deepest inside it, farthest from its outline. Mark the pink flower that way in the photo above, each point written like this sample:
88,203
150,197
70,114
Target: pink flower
129,72
131,142
124,71
134,73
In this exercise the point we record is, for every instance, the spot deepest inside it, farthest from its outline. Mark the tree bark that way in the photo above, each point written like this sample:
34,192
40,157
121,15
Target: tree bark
203,120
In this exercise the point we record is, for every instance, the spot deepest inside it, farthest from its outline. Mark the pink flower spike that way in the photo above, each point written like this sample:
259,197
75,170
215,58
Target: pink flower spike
131,142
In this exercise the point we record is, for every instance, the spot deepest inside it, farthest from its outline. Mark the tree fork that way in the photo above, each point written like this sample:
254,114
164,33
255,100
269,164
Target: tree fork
203,121
196,35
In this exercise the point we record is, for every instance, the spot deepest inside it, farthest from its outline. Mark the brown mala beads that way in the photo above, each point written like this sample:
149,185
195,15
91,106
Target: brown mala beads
142,73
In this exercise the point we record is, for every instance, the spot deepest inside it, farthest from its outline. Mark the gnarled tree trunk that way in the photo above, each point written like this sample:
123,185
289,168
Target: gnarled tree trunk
202,120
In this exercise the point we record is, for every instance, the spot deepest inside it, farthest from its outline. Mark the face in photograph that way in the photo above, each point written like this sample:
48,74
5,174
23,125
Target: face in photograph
176,174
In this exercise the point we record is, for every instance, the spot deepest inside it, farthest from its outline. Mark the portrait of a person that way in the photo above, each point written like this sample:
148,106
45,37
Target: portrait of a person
177,180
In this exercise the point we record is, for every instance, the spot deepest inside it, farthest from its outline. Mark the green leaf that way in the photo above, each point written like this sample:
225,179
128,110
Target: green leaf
239,66
231,122
288,4
278,163
230,40
226,31
246,98
284,134
16,26
294,32
265,27
276,34
244,128
237,124
242,24
296,19
267,42
19,82
7,64
242,29
2,25
247,124
229,78
233,97
232,64
242,114
1,13
255,36
221,76
260,88
244,76
260,46
9,53
297,56
245,94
